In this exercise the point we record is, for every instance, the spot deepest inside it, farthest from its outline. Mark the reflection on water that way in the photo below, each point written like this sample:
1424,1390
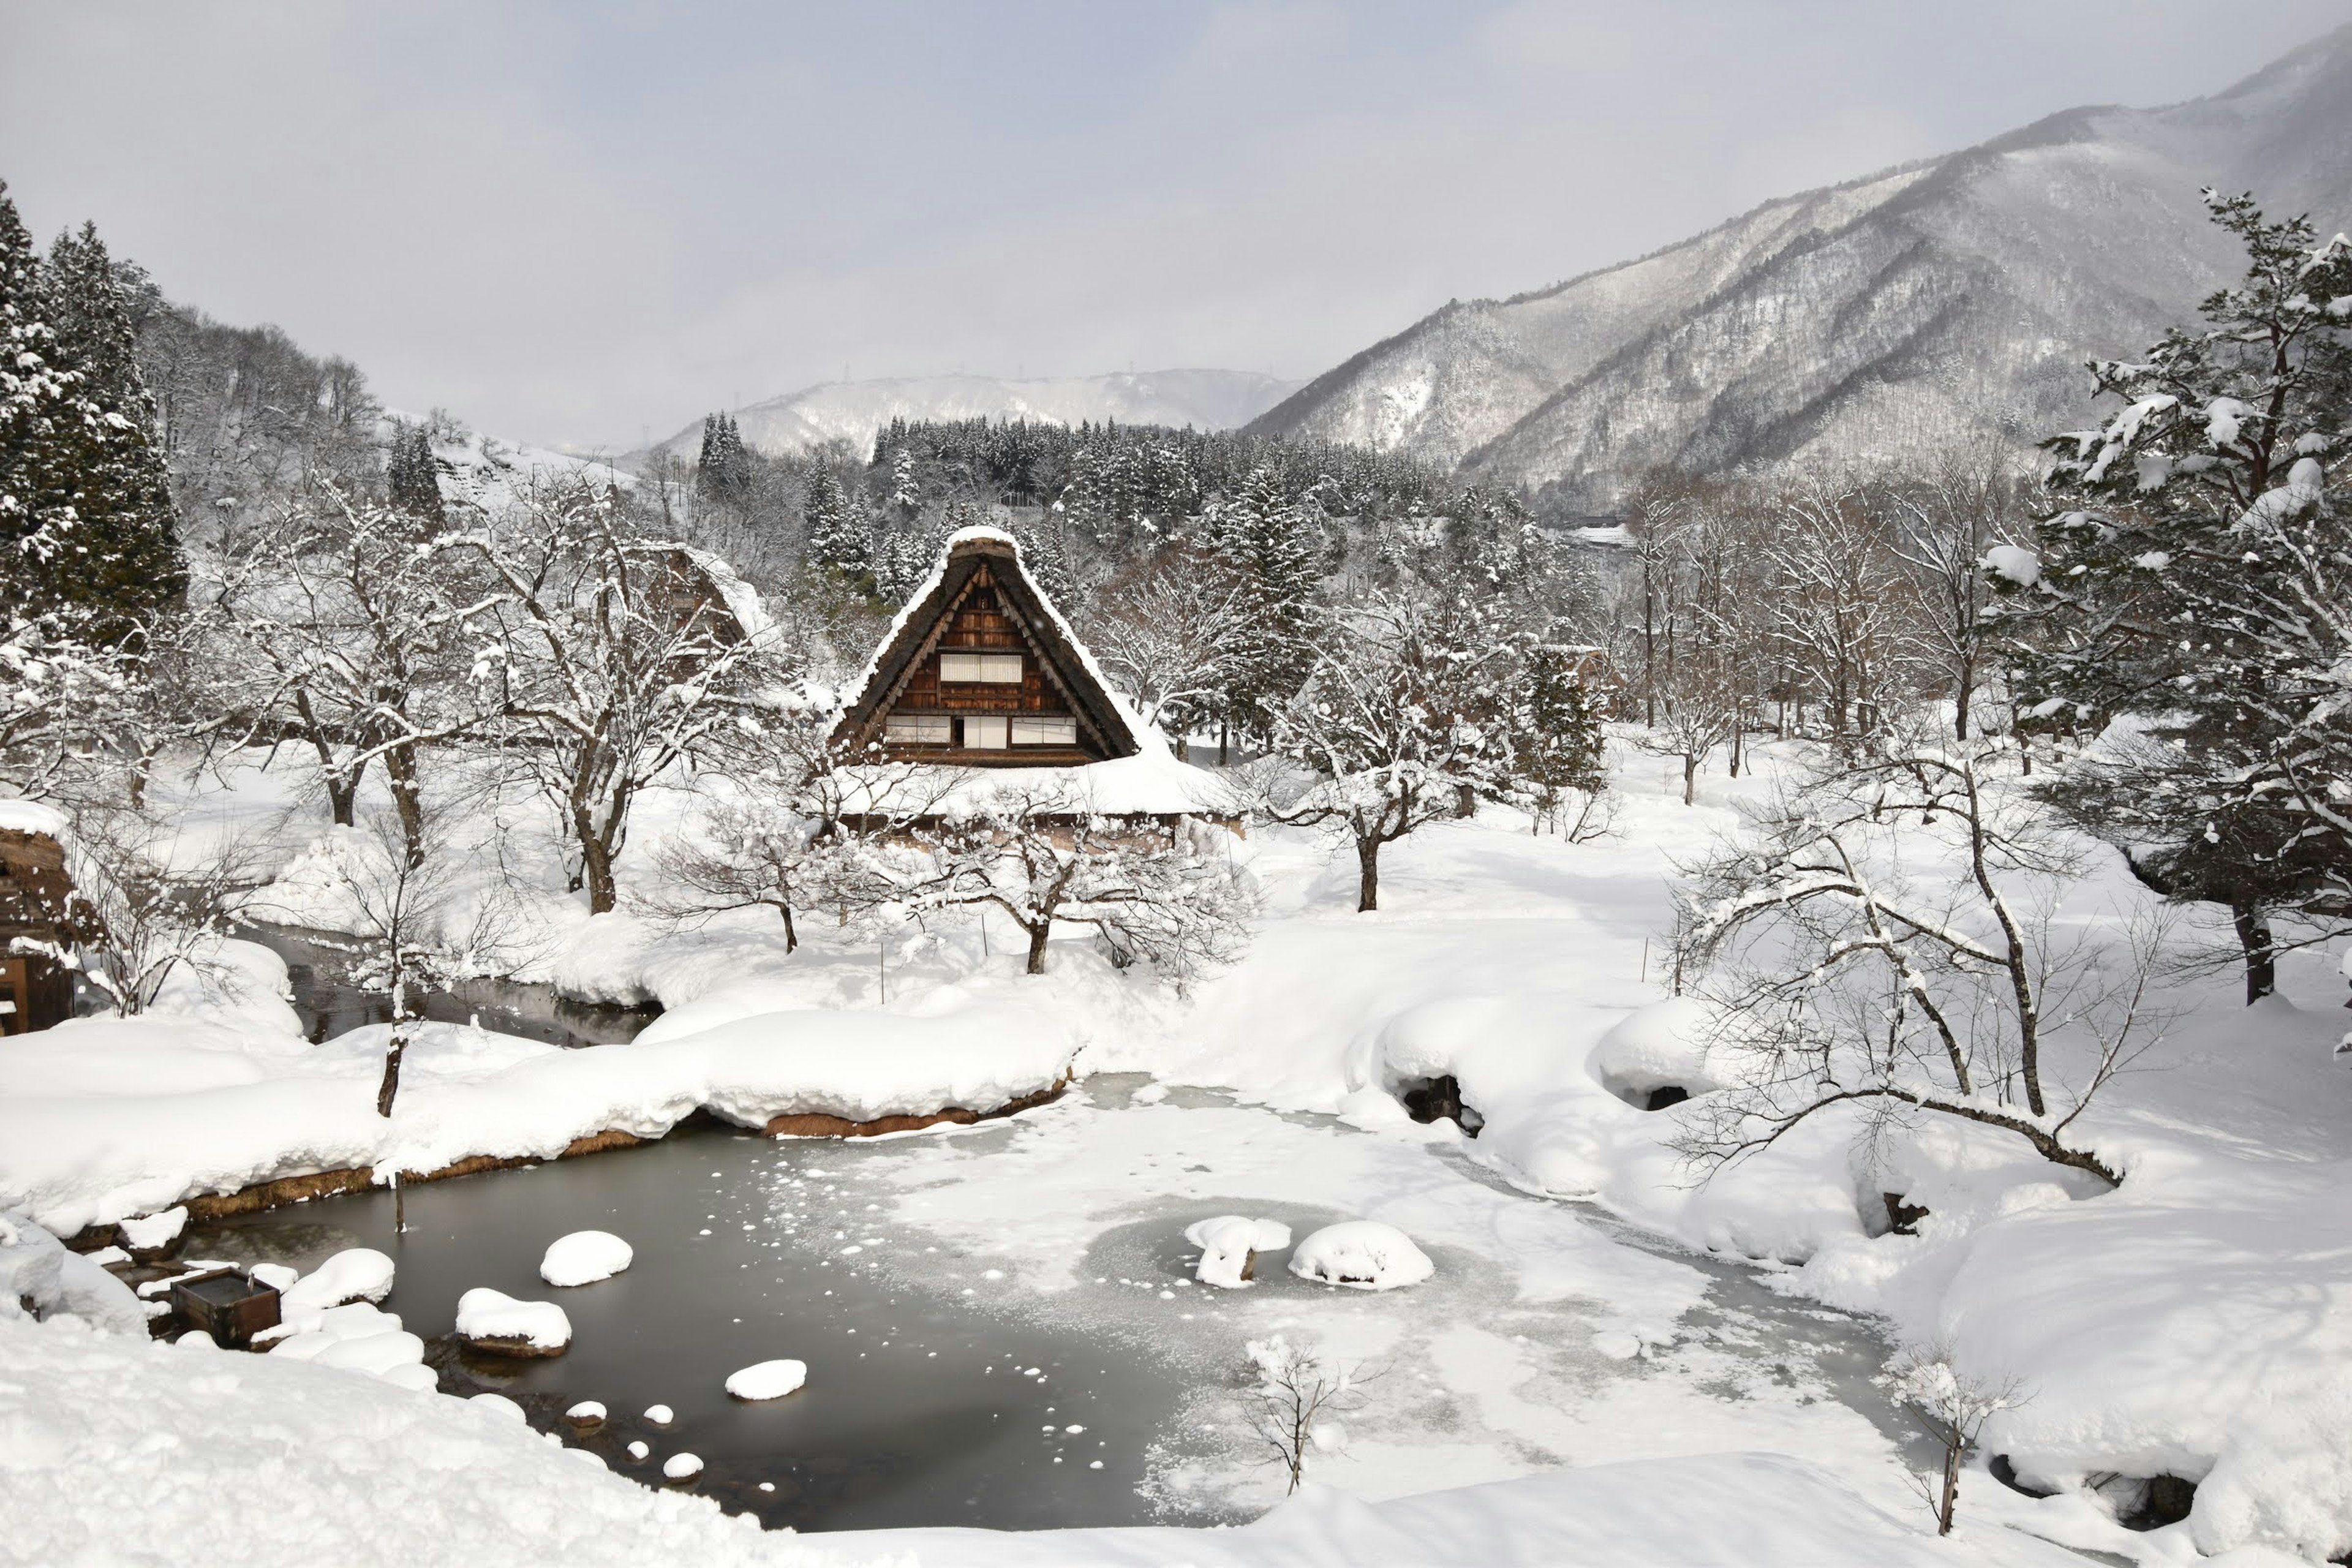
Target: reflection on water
929,1401
328,1007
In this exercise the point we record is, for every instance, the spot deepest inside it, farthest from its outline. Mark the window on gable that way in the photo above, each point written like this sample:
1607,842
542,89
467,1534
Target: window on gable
992,669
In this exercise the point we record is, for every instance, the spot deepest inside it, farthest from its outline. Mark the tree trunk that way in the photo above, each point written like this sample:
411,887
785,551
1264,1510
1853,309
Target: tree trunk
1466,801
1037,935
792,937
1690,779
392,1055
407,800
1368,883
1951,1494
2262,958
595,869
1968,681
342,792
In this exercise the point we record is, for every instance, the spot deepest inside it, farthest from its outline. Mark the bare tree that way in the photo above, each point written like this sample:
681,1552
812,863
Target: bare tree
1842,973
419,921
1952,1408
1294,1394
1407,710
151,900
1164,891
364,636
1841,610
1949,518
616,660
1173,632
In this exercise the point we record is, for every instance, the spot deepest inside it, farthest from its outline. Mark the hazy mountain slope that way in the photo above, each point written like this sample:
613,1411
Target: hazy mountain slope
853,410
1884,318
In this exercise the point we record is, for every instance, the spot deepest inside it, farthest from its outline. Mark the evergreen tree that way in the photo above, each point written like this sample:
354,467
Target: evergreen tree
2199,588
85,507
1276,546
833,525
1556,730
723,470
412,477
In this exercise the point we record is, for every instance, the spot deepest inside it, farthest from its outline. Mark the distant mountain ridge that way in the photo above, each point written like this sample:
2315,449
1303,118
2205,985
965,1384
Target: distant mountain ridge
1879,320
854,411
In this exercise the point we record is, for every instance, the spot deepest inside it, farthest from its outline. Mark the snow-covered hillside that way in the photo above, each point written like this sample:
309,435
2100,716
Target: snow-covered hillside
1885,317
853,411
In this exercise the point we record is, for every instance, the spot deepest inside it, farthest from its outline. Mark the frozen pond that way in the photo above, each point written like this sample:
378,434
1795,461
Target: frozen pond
928,1401
946,1386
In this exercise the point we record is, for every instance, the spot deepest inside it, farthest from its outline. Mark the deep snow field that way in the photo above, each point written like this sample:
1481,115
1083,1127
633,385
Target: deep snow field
1612,1363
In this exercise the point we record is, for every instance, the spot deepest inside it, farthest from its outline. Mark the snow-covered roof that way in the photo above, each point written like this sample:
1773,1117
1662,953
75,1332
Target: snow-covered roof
1074,666
32,816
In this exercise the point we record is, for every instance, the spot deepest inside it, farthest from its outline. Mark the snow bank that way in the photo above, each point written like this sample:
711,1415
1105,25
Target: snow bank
584,1258
1362,1254
767,1379
232,1118
1229,1246
492,1320
1662,1046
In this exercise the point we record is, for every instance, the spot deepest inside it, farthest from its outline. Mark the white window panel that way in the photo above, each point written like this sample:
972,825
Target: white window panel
992,669
1044,730
920,729
983,731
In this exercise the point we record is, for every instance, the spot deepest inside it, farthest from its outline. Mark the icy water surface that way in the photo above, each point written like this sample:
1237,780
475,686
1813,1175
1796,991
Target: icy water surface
940,1392
927,1403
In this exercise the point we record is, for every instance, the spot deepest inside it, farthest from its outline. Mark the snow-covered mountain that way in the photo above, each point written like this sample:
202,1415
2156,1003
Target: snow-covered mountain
853,411
1879,319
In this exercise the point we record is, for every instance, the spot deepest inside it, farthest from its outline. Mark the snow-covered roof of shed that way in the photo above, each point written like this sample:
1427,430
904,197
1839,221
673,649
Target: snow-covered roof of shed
32,816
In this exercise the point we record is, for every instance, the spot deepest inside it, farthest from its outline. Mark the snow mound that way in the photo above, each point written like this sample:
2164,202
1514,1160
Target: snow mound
1362,1254
587,1413
660,1414
682,1467
279,1277
499,1406
1662,1046
1229,1246
584,1258
38,1276
767,1379
355,1274
376,1354
493,1320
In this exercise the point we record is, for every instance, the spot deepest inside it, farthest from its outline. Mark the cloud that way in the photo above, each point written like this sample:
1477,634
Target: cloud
577,224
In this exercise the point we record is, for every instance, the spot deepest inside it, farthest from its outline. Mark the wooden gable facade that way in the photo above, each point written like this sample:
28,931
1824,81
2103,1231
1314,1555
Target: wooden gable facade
981,673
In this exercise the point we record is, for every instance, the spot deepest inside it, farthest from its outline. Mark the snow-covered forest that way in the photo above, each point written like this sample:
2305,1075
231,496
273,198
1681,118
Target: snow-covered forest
1037,990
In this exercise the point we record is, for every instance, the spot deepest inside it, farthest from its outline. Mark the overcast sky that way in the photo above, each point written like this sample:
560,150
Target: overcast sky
577,223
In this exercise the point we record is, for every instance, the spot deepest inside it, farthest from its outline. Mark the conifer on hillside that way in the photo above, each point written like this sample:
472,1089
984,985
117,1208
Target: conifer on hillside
86,515
412,477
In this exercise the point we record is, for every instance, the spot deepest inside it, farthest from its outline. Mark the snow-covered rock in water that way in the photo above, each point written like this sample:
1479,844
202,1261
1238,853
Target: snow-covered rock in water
152,1236
355,1274
584,1258
682,1467
587,1413
1229,1246
767,1379
660,1414
38,1276
1362,1254
1656,1053
493,1320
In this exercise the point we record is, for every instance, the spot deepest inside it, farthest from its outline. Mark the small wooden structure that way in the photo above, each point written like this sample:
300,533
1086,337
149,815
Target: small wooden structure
227,1306
35,894
979,672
